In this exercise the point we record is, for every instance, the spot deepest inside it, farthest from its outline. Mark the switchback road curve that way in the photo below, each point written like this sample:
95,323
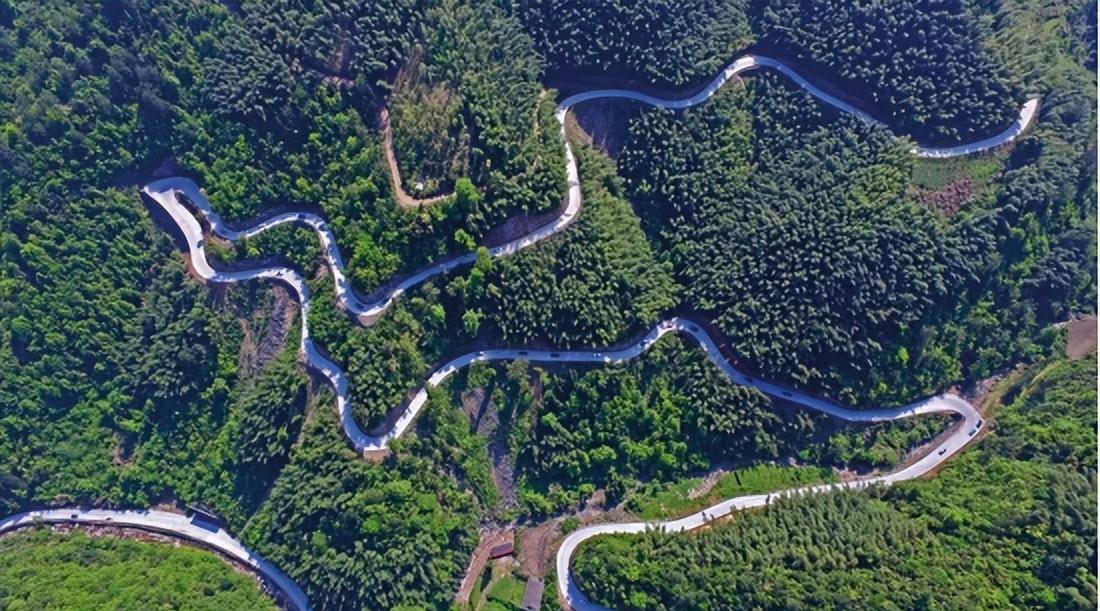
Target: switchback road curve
174,524
166,193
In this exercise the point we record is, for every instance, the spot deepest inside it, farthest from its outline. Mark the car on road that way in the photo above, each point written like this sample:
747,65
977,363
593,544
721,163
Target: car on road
942,451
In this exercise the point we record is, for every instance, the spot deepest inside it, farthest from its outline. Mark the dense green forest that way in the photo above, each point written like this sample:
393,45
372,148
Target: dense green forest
662,41
829,257
629,430
1011,523
45,570
920,62
866,293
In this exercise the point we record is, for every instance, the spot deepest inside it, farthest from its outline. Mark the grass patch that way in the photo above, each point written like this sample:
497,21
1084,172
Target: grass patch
506,591
657,501
935,174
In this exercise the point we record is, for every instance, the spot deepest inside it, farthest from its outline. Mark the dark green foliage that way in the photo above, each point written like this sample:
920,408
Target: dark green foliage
277,48
663,41
430,140
46,570
664,416
125,382
382,362
669,414
516,156
352,531
1008,524
790,229
591,285
920,62
322,148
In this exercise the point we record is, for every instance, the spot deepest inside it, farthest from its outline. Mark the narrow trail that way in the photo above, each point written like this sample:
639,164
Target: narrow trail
403,198
166,193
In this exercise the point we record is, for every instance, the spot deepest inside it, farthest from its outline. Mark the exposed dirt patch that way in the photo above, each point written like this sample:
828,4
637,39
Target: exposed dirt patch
704,487
120,453
472,405
485,420
1081,336
948,200
603,123
480,556
266,331
534,543
503,471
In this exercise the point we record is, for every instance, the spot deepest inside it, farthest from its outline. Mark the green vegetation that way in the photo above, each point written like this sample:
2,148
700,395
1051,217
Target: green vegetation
504,594
790,227
597,283
957,94
1010,523
664,501
430,139
46,570
836,305
660,41
805,236
397,533
657,420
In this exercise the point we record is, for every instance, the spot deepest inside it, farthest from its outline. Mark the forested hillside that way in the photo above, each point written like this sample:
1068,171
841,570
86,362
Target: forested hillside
920,62
919,65
628,430
943,297
664,42
819,251
1011,523
46,570
790,227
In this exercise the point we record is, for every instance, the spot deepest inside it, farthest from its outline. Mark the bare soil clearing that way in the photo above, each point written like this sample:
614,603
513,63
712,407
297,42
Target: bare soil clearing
1081,336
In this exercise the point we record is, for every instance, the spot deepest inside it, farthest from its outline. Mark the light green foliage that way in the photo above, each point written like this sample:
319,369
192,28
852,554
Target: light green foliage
671,500
349,530
45,570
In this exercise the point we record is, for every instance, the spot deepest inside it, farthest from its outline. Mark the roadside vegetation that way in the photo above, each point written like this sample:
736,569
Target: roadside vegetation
1011,522
41,569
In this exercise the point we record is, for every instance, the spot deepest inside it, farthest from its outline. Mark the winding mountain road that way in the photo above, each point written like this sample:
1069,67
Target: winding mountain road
167,194
174,524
